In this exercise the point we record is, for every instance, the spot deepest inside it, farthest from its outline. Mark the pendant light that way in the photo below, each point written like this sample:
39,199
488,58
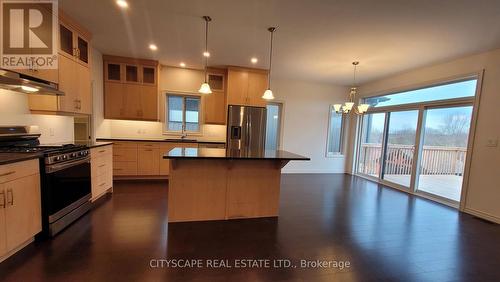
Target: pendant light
205,87
268,94
349,105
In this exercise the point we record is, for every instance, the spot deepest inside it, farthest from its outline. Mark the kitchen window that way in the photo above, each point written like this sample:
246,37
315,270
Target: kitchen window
335,133
183,113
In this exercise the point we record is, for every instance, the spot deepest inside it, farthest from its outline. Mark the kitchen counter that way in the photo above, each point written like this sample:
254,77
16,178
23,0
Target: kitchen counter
215,184
93,144
187,140
7,158
215,153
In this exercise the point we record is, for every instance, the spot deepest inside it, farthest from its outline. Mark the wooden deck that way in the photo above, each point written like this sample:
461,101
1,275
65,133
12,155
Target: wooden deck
447,186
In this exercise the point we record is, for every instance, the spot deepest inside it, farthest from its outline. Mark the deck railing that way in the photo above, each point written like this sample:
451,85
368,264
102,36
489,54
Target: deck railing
435,159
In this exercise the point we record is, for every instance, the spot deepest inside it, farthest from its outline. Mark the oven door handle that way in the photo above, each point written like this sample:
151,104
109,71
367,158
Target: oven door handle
58,167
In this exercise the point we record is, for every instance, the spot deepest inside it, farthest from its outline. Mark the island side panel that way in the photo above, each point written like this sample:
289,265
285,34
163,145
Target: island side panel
197,190
253,188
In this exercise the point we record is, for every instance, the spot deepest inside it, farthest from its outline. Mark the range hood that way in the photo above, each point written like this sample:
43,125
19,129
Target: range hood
27,84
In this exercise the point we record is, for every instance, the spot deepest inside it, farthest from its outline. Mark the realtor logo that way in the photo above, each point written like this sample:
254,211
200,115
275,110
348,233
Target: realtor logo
28,34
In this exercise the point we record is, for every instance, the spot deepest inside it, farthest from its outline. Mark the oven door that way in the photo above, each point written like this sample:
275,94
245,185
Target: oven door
67,186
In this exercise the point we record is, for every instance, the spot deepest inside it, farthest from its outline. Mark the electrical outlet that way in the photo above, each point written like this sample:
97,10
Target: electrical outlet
492,142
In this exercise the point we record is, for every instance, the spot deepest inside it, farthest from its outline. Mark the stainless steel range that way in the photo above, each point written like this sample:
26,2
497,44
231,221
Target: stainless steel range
65,176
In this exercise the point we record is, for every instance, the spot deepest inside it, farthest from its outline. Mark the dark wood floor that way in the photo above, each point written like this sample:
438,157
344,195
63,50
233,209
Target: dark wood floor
385,234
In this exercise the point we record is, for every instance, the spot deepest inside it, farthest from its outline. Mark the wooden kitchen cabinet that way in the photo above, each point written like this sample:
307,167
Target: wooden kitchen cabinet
130,88
147,159
101,163
246,87
215,104
73,73
20,205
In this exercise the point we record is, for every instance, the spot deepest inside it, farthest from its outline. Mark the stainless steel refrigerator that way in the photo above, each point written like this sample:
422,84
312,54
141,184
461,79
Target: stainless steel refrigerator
246,129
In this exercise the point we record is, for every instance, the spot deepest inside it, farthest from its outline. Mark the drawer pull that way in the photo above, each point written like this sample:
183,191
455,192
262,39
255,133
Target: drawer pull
102,184
8,173
102,151
117,169
11,197
148,150
103,165
116,155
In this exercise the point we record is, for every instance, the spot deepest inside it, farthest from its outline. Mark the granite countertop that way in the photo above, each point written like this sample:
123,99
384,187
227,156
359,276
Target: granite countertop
93,144
187,140
7,158
214,153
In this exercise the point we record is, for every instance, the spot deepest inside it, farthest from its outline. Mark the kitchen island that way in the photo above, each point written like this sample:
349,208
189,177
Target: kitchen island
219,184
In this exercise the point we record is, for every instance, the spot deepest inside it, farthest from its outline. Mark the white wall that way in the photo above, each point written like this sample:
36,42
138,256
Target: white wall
483,191
14,110
305,123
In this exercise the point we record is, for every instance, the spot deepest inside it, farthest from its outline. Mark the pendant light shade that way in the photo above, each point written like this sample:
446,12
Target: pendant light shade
205,87
268,94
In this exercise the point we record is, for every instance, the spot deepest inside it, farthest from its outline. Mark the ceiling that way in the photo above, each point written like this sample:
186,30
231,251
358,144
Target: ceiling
316,40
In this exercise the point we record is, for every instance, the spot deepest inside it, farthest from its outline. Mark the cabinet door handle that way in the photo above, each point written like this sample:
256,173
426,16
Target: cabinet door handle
11,197
8,173
2,203
103,165
102,184
102,151
148,150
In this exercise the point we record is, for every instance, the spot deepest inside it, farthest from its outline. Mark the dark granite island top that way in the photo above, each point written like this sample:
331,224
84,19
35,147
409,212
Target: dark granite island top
219,184
214,153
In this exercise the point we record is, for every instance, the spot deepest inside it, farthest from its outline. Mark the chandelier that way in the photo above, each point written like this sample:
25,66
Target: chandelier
349,106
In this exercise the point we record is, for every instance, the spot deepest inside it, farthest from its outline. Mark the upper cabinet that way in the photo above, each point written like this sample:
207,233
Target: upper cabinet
215,103
130,88
73,73
246,87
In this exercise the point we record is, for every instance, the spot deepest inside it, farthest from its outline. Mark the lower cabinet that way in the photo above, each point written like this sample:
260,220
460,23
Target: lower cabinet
134,159
20,205
101,163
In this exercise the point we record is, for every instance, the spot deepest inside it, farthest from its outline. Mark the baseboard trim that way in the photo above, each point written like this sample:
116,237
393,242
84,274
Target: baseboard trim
482,215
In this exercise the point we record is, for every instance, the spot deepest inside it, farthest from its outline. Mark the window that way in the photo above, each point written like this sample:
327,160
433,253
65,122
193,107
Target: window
460,89
183,113
335,133
273,123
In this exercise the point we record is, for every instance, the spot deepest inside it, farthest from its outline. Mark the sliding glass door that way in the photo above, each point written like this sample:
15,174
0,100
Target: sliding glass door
417,140
370,151
398,159
442,162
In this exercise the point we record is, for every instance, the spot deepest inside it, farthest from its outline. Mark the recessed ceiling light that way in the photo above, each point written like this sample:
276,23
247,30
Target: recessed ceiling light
122,3
206,54
254,60
182,64
153,47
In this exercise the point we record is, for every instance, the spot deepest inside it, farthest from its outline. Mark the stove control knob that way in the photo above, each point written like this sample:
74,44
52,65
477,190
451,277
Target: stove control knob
73,155
64,157
58,158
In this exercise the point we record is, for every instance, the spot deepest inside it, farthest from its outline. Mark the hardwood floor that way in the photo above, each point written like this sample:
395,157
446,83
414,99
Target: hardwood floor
386,235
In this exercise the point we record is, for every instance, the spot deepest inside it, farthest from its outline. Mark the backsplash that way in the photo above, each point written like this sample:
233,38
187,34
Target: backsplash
148,129
14,110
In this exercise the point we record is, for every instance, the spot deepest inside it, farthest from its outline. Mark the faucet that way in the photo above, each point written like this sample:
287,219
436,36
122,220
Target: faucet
183,132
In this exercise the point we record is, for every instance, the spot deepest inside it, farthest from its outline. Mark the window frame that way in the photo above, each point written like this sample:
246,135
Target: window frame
165,128
422,106
343,122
